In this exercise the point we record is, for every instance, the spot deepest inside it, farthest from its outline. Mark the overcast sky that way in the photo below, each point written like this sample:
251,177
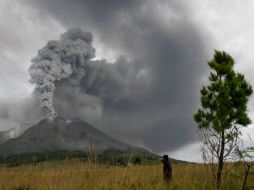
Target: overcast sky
168,41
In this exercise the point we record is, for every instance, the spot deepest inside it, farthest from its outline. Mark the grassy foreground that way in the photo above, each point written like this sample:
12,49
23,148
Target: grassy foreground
77,175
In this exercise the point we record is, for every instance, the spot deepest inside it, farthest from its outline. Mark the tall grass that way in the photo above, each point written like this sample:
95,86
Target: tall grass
77,175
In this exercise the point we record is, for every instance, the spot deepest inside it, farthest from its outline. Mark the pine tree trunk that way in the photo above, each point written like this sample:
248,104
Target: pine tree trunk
220,162
246,175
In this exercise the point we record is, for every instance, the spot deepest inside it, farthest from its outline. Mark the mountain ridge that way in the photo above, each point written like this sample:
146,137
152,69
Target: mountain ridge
63,134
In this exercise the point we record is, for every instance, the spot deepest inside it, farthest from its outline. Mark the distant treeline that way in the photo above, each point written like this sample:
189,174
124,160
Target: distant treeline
109,157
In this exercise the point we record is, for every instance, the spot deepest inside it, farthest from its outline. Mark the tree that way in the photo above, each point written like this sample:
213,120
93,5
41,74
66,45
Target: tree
246,156
223,110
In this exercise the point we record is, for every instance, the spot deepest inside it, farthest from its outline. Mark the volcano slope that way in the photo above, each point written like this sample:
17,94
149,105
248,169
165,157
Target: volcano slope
63,134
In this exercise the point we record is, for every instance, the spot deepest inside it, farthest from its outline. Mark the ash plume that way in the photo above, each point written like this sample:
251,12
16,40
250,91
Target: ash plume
57,61
147,99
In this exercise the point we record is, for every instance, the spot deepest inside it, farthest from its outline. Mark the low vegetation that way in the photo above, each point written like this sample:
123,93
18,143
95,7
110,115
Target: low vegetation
75,175
109,157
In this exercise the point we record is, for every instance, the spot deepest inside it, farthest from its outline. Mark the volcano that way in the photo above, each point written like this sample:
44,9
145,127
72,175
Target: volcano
63,134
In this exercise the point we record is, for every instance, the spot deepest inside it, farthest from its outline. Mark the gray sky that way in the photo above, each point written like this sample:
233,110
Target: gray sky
167,42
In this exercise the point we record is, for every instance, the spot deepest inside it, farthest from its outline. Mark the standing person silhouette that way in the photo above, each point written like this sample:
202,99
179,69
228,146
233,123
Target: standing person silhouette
167,168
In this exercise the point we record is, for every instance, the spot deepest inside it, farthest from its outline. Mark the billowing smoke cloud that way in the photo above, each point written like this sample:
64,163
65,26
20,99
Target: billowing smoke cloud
69,83
149,97
57,61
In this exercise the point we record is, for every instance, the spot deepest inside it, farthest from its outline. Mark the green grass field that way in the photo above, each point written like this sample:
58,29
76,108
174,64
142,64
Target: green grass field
77,175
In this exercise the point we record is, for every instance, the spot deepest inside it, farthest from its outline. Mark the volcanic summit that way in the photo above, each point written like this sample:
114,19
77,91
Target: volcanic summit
63,134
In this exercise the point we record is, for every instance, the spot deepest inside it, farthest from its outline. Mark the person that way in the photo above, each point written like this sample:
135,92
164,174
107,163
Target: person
167,168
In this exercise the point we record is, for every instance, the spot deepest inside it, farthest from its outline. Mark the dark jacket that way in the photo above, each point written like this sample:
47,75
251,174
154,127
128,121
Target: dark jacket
167,168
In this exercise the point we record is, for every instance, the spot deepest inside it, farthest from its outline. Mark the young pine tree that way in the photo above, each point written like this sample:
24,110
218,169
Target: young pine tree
223,110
